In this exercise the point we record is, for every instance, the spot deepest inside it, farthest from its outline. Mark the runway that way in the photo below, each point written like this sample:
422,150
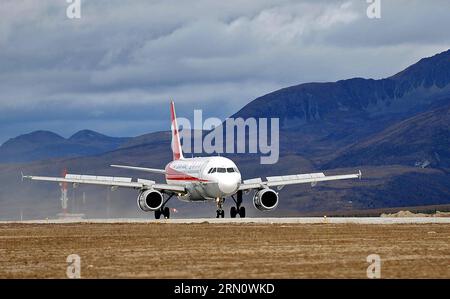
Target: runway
296,220
227,248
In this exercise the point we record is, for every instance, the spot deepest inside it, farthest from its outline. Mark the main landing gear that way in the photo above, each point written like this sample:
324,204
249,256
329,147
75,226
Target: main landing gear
237,209
163,211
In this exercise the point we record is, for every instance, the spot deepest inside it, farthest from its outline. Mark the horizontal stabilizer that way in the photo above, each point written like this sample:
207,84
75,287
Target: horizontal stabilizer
144,169
98,178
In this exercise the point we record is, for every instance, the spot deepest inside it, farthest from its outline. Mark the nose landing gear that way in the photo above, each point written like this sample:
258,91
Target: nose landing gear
220,213
238,209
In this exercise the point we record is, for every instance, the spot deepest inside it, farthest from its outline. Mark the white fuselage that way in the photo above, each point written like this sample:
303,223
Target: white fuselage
205,178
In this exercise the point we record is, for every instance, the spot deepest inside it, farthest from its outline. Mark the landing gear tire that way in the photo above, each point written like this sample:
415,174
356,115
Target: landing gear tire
233,212
237,209
166,212
220,214
242,212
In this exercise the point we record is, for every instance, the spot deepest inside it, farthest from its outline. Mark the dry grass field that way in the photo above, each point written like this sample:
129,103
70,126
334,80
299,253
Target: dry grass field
224,250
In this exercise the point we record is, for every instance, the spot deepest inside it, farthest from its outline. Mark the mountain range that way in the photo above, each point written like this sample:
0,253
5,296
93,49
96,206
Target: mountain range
396,130
41,145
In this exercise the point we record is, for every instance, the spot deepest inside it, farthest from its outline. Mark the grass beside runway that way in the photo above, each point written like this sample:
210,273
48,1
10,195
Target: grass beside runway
223,250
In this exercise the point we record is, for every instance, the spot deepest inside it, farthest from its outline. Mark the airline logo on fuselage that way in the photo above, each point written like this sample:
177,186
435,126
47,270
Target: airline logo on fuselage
183,172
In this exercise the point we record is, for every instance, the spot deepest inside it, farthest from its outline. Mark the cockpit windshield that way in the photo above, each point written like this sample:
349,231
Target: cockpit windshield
223,170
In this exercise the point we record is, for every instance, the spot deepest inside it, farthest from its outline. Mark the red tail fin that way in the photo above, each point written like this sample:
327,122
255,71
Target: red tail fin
176,144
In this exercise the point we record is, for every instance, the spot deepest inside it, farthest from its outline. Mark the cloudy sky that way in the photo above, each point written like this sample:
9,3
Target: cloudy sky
115,69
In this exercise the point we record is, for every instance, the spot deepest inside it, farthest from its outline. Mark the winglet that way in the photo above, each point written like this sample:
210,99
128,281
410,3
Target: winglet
25,176
359,174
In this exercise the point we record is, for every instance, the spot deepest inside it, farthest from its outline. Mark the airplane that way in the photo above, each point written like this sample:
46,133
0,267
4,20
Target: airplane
197,179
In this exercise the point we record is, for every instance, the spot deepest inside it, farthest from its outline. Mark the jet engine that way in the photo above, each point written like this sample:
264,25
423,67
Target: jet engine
150,200
265,200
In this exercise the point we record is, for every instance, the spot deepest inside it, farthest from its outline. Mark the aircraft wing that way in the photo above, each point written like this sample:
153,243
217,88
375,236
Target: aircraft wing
116,182
152,170
281,181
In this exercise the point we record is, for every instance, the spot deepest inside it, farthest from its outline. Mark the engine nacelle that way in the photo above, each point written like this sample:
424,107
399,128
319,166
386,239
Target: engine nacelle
150,200
265,200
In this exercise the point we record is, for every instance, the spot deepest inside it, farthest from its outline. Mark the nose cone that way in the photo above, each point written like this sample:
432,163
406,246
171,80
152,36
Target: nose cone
229,185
